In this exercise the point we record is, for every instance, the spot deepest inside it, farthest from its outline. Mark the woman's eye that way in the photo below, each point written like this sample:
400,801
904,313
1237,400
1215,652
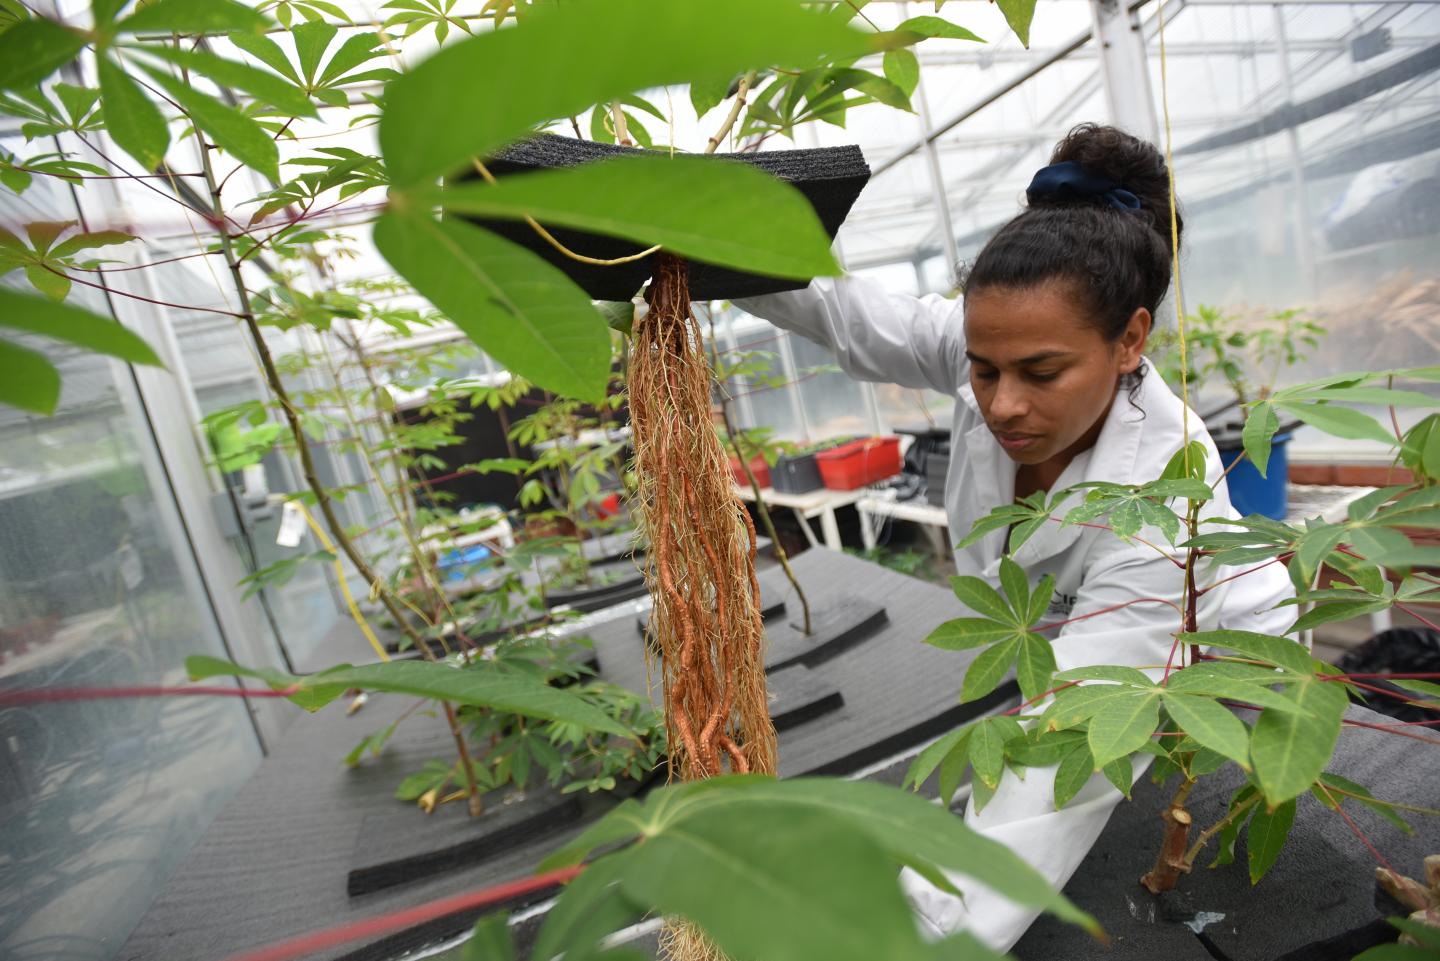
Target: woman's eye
1043,376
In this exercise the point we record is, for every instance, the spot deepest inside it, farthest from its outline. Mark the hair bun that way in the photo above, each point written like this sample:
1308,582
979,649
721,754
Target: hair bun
1136,165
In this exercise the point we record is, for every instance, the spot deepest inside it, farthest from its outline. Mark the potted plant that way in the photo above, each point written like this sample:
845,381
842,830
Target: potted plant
1243,359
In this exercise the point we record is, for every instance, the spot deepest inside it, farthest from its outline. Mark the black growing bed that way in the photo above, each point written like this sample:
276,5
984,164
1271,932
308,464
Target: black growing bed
276,861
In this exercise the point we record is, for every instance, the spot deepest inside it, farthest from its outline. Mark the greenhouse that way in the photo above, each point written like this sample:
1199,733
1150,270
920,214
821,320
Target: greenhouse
766,480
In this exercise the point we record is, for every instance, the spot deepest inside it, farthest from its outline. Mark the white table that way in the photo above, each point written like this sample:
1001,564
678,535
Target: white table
819,503
932,519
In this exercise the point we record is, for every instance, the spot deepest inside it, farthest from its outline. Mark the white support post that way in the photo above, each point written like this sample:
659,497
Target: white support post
1124,69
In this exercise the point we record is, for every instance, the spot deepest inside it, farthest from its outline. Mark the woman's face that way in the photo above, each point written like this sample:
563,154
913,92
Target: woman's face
1045,376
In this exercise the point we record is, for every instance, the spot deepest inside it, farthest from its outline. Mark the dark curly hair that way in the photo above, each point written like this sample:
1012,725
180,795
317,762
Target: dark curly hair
1114,260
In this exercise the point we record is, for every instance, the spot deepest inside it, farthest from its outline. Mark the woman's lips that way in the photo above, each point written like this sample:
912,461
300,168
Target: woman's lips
1011,441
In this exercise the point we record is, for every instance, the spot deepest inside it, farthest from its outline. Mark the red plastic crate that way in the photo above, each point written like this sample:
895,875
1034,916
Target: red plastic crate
758,467
859,463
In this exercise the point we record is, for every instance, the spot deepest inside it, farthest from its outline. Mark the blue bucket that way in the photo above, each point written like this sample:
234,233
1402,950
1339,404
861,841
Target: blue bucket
1253,494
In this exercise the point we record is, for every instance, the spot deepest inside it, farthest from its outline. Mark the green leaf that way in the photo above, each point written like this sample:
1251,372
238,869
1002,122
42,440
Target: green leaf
1034,665
1074,771
521,310
31,382
423,135
1108,672
1339,421
952,769
1203,679
1121,773
926,26
988,669
50,283
1266,838
32,50
980,597
1018,14
490,940
193,16
706,209
1122,725
1260,428
765,859
74,326
1225,842
1290,750
902,68
706,95
231,130
1396,952
927,760
987,746
1261,647
591,907
483,686
967,632
260,84
1212,725
134,123
1040,600
1016,586
1339,788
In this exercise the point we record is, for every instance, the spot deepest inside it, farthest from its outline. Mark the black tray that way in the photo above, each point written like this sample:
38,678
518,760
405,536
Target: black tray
831,178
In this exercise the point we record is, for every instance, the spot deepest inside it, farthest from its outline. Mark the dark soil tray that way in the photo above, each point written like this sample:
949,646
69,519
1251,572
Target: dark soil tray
405,845
835,627
799,695
628,584
1318,903
273,863
831,178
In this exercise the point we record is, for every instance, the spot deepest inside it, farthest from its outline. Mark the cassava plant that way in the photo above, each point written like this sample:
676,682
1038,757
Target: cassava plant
1095,719
214,107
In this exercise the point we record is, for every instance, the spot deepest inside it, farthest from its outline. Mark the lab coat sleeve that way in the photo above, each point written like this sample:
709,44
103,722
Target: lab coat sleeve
874,334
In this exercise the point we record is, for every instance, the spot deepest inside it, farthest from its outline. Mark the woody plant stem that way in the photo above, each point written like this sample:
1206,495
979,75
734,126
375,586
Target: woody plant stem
307,464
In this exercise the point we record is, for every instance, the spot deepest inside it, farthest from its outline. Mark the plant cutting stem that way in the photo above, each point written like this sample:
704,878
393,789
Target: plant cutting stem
735,108
307,465
1205,836
1171,861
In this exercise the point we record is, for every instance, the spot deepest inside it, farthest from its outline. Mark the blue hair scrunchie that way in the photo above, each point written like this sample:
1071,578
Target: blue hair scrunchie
1068,181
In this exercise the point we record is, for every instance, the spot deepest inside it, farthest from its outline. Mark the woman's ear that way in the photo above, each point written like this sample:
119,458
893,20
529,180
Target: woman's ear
1132,341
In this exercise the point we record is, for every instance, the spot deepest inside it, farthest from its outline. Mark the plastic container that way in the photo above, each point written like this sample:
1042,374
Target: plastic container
1253,494
758,467
796,474
859,463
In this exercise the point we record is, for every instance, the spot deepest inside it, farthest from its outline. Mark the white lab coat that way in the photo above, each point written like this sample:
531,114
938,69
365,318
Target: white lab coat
920,342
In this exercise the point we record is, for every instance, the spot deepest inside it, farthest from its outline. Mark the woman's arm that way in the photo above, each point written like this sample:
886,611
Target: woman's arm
875,335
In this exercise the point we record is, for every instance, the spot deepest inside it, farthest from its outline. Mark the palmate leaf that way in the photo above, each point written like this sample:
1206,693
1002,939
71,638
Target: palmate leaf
1276,651
1212,725
723,213
422,136
31,382
1072,773
73,325
1332,790
902,828
1288,750
1122,725
521,310
32,50
193,16
929,759
229,128
1018,14
1225,842
484,686
1260,427
1268,832
135,123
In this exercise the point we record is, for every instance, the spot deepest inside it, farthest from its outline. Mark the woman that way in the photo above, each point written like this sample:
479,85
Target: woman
1044,355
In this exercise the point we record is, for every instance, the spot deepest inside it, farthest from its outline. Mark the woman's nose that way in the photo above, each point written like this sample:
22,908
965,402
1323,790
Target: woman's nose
1008,402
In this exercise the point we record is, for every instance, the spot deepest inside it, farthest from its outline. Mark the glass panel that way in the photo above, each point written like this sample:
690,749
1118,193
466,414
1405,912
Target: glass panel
1336,215
99,799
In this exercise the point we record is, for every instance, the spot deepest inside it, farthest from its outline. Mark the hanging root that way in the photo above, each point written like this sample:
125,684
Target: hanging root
683,940
706,621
